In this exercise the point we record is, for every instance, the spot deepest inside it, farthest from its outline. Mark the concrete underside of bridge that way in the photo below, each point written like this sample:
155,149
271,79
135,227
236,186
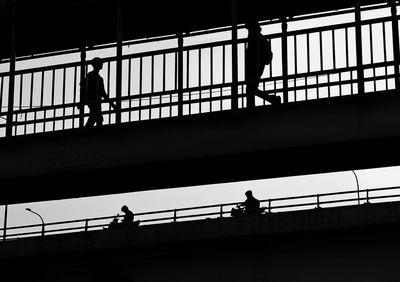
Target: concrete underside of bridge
336,134
354,243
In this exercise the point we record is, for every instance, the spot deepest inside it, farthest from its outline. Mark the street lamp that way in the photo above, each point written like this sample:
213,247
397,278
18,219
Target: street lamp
358,186
29,210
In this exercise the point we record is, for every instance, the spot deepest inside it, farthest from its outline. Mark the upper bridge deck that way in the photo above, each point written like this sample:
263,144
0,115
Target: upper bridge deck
183,101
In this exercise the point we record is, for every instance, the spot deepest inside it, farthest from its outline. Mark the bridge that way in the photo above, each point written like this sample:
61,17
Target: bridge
298,238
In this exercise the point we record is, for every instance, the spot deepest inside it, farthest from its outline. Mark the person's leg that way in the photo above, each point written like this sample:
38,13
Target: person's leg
251,86
91,120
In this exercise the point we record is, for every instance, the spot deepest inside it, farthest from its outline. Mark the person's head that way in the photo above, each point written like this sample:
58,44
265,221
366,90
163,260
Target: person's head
97,63
253,26
124,209
249,194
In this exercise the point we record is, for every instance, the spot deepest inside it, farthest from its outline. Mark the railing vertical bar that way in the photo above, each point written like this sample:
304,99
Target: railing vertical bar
295,68
151,86
346,44
53,82
130,89
328,76
360,69
385,54
21,83
175,83
235,67
42,100
119,32
269,205
308,62
74,94
371,44
31,100
140,86
188,82
82,76
63,97
108,89
270,70
321,58
284,61
164,68
223,75
199,78
161,94
211,75
335,61
396,43
180,74
11,82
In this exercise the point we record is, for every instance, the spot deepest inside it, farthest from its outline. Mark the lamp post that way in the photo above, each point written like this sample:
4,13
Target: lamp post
29,210
358,186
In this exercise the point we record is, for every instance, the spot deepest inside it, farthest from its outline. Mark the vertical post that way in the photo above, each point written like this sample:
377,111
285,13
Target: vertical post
5,223
318,201
360,70
175,215
221,211
234,90
82,78
86,224
396,47
11,86
180,74
119,32
284,61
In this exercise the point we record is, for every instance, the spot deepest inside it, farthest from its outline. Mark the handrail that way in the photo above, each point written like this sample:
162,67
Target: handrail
275,205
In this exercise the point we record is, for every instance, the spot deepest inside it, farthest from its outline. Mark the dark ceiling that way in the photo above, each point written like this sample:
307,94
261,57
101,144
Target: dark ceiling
46,26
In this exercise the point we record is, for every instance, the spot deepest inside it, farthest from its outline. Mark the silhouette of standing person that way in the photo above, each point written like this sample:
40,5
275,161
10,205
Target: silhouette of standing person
258,55
128,215
92,91
251,204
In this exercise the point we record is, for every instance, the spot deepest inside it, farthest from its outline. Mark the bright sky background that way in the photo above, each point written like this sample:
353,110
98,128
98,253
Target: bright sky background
201,195
81,208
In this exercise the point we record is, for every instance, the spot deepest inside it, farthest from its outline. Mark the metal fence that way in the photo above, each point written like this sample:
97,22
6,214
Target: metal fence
277,205
355,56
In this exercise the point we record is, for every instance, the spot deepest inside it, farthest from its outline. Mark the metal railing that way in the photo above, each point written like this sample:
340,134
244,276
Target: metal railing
314,62
277,205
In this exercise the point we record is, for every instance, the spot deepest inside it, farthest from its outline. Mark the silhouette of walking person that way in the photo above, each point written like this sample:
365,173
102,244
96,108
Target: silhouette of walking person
92,91
258,55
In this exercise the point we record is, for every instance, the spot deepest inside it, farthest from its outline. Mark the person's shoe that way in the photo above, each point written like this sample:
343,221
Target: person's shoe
275,100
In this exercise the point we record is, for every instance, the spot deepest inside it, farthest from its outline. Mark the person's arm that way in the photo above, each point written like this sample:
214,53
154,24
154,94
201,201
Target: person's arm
105,96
